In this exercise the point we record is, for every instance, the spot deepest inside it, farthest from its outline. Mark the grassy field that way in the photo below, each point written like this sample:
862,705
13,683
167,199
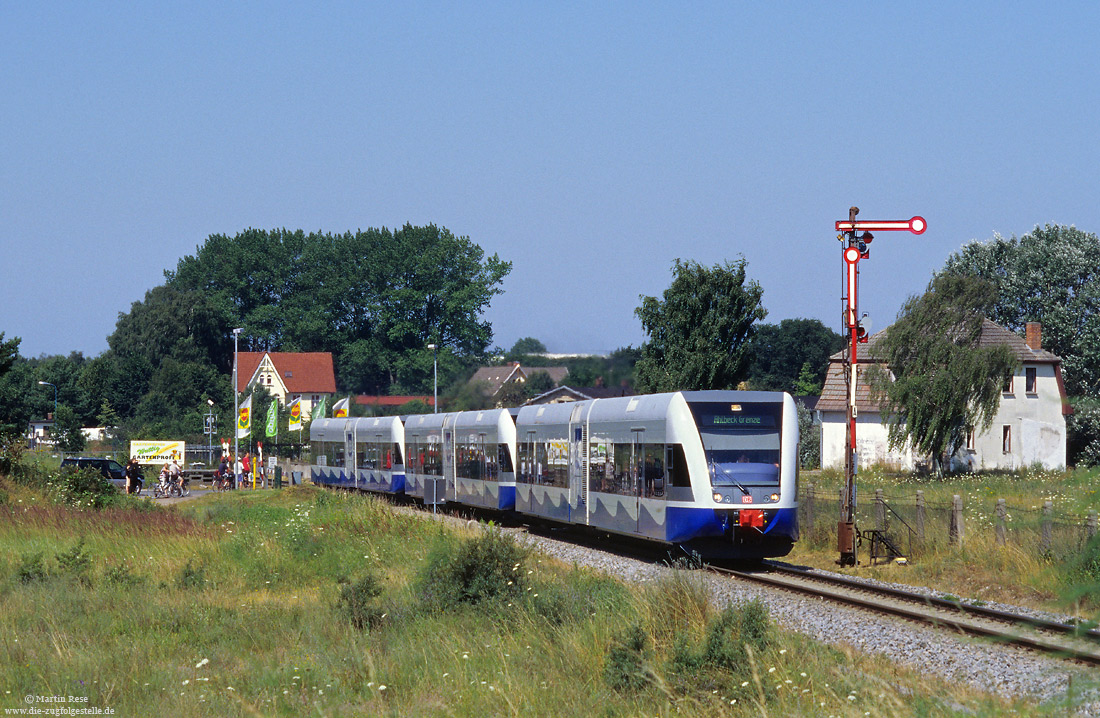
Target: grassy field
303,602
1066,579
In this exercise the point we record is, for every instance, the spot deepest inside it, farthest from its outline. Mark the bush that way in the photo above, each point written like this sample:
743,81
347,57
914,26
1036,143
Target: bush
625,667
357,603
121,575
722,661
83,487
31,568
192,576
478,570
75,562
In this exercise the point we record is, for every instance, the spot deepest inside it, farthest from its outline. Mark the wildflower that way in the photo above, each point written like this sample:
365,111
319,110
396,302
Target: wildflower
186,682
202,663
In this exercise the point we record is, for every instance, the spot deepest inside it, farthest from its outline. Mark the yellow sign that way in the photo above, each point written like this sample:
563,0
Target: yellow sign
158,452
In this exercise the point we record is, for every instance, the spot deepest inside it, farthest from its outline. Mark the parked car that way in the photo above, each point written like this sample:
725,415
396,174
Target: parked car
111,469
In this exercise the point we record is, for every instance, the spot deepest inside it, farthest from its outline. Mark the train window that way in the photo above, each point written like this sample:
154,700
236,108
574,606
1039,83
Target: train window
597,466
504,459
678,468
539,468
557,464
525,455
622,470
397,457
653,471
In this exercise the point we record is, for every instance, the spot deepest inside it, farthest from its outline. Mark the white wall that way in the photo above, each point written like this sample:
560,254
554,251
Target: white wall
1037,425
872,443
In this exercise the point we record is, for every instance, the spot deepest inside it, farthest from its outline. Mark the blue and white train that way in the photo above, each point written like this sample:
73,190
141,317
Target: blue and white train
714,472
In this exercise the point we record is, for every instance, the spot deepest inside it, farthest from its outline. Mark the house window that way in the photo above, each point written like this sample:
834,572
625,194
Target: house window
1006,439
1007,387
970,439
1029,373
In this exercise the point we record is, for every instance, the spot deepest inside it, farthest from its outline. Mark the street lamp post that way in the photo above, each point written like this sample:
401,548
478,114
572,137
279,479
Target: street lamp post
46,383
435,380
236,406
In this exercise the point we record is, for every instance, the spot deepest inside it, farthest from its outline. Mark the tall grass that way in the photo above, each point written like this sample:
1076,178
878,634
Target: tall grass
977,567
305,602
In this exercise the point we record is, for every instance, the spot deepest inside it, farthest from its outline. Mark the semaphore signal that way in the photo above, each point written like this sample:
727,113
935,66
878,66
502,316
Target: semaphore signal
855,236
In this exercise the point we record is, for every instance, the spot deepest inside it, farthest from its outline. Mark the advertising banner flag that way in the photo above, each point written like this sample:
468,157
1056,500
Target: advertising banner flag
319,409
244,419
296,415
340,409
272,418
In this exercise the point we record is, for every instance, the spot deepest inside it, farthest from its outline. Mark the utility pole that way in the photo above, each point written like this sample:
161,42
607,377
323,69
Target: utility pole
855,236
236,408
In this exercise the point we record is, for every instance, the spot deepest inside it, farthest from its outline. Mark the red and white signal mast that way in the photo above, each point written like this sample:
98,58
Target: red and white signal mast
854,237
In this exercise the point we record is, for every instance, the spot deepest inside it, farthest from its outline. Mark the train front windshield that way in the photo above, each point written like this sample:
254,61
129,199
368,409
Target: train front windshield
740,440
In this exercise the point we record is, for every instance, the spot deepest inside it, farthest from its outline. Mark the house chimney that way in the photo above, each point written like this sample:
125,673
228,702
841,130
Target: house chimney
1034,335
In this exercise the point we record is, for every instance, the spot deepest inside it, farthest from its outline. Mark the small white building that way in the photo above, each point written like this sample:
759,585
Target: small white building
40,431
1028,429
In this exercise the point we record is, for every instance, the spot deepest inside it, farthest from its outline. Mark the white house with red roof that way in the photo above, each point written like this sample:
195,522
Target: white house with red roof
308,376
1029,427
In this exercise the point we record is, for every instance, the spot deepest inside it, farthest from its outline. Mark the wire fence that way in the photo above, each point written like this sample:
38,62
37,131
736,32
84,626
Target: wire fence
918,525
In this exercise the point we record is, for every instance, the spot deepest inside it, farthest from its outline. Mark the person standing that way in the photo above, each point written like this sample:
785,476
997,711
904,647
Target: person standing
238,471
247,466
133,475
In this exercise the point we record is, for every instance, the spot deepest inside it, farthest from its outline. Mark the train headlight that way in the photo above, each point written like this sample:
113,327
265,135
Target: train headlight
717,497
774,497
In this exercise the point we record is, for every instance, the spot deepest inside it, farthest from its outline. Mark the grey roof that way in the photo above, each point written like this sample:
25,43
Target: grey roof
992,335
834,396
497,376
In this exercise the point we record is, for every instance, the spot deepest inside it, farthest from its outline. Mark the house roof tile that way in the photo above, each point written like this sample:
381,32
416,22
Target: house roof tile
300,372
834,395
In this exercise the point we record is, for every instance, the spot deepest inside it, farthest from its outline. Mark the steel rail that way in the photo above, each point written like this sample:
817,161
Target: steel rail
944,603
802,581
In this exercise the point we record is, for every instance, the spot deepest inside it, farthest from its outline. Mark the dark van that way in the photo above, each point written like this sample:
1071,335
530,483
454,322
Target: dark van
111,469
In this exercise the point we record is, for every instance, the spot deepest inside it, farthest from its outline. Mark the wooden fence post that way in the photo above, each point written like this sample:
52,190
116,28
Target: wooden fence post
1047,539
808,503
1090,524
956,532
1002,515
920,515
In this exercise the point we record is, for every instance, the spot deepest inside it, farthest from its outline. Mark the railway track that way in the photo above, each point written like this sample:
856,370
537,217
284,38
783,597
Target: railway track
1066,641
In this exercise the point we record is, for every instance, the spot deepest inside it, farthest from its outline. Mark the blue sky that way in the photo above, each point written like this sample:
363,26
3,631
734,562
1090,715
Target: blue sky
588,143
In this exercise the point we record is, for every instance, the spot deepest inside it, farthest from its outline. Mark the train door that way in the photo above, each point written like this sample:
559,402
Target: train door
449,458
637,469
578,487
349,455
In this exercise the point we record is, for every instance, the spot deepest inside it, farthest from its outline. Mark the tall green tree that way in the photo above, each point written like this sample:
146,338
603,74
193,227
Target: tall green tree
1050,275
374,298
67,430
941,382
11,418
699,330
780,351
